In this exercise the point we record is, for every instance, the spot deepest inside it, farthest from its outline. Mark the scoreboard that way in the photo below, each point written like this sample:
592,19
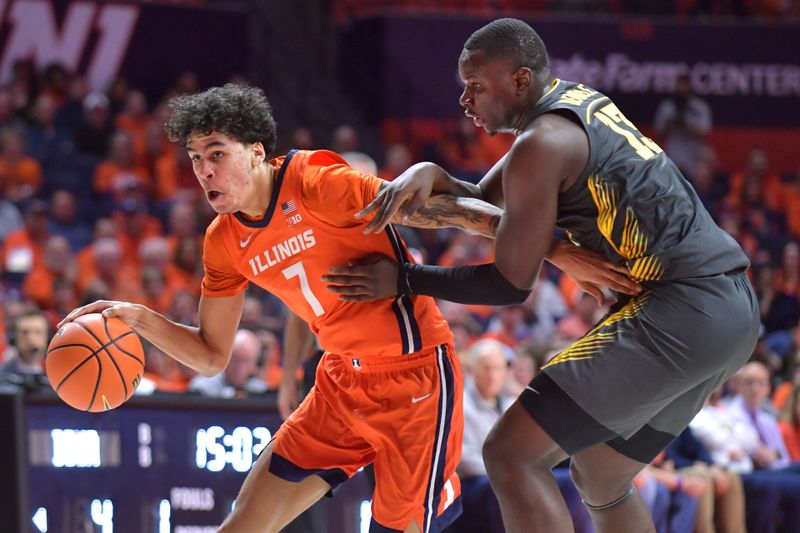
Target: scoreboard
155,464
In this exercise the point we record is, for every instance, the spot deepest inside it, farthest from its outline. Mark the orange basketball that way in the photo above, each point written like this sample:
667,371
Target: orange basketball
95,363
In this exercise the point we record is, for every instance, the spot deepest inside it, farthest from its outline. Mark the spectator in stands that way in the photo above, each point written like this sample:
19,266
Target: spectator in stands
120,172
54,82
118,95
721,505
161,373
756,184
786,388
345,138
303,139
8,115
174,177
710,189
523,367
93,136
46,141
58,264
64,222
679,512
28,346
772,484
484,402
70,114
580,320
134,225
770,451
133,119
361,162
10,217
104,228
109,274
239,377
21,173
23,249
790,424
512,325
398,159
65,299
780,301
683,119
464,153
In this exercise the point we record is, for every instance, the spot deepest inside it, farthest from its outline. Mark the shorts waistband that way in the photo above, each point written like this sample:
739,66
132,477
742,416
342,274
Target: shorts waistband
384,363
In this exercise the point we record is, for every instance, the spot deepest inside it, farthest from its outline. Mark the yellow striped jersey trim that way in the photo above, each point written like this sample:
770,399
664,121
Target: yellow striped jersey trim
633,243
590,344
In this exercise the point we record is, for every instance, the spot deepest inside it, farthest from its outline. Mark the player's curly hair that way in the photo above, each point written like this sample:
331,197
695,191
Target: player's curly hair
239,111
514,40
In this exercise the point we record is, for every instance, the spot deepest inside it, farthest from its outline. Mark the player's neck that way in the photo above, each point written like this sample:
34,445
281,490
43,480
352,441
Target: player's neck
262,192
526,116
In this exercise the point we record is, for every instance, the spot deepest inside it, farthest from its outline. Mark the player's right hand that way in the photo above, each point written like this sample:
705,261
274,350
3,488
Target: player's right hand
407,193
288,398
127,312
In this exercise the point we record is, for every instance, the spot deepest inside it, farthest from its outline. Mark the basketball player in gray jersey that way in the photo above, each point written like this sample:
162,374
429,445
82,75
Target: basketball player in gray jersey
614,399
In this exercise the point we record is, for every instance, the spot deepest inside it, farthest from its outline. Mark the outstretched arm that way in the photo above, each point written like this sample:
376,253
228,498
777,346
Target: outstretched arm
205,348
524,238
446,211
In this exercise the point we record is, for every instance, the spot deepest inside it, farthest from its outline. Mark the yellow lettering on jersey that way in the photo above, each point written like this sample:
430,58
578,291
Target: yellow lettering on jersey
612,117
577,95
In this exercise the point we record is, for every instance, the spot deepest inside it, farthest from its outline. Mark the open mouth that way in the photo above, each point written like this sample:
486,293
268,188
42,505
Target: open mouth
212,195
475,119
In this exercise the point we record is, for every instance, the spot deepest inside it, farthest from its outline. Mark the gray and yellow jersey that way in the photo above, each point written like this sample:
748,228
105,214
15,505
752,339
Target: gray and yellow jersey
631,203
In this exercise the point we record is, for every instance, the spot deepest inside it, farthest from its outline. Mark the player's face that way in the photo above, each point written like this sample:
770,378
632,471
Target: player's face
226,169
490,96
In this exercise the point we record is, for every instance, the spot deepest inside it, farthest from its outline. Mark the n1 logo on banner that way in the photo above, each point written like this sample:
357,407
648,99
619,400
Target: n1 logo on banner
35,34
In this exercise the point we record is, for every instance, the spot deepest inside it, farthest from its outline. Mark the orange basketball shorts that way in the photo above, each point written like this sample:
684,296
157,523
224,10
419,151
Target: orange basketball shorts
402,413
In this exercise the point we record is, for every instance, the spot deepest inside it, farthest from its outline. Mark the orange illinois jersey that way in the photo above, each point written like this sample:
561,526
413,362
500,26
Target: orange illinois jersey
309,227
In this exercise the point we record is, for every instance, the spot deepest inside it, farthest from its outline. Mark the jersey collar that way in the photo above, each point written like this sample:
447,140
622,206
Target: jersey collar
276,189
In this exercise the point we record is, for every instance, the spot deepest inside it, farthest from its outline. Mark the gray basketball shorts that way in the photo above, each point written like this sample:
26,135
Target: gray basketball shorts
637,379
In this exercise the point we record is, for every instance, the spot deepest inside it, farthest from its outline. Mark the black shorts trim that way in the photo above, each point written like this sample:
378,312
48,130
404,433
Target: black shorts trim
564,420
574,429
644,445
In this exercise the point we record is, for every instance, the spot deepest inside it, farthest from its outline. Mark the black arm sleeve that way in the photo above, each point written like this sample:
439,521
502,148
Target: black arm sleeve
480,284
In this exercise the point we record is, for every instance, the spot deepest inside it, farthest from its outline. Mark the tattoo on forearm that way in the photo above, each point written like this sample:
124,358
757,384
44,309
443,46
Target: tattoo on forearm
469,214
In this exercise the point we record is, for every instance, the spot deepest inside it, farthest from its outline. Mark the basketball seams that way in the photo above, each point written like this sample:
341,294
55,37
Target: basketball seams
113,340
97,383
51,350
80,350
104,347
119,371
76,368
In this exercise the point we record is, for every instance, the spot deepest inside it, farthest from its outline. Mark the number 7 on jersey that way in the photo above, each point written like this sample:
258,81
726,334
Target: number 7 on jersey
297,270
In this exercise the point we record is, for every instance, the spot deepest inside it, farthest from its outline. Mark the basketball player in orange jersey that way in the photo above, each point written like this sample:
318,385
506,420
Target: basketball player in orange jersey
388,390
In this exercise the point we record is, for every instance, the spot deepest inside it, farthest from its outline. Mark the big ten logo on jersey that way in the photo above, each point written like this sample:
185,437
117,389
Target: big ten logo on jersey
282,251
94,34
289,210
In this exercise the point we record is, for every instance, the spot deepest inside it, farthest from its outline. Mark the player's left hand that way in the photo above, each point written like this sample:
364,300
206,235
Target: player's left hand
370,279
592,272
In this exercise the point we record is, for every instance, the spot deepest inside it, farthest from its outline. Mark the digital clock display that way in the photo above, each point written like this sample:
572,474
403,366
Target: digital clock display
218,449
153,465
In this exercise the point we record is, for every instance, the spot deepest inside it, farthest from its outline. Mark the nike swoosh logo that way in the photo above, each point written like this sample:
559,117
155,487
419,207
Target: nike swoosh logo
246,241
533,390
414,399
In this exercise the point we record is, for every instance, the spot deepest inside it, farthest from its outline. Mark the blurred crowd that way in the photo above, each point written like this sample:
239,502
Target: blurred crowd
96,203
697,9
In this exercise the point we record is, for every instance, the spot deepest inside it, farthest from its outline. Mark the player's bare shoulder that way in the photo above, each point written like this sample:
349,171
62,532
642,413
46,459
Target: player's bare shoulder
556,141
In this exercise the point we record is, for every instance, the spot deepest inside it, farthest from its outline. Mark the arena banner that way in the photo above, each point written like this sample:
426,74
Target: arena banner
148,43
749,73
